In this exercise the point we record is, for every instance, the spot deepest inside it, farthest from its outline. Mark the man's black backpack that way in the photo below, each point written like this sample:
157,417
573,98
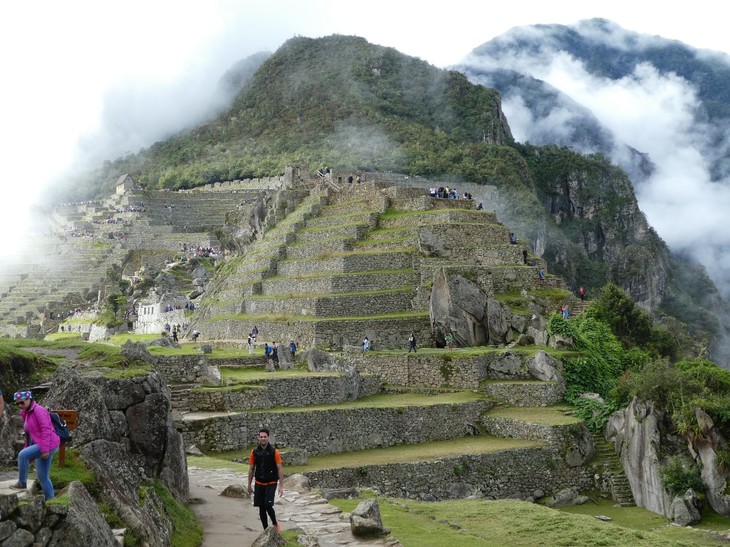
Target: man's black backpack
60,427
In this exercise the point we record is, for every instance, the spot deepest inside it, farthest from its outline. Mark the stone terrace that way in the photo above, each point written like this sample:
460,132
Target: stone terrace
359,262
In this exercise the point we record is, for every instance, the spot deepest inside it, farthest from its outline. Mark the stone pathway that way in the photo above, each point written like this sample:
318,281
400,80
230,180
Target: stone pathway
234,521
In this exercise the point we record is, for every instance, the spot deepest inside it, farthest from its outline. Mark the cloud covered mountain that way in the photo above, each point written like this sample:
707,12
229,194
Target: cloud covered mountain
656,107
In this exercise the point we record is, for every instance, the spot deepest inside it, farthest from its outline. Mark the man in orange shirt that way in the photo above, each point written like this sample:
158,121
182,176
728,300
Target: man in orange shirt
265,465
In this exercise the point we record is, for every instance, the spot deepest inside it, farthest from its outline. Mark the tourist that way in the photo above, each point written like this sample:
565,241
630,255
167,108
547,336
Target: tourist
2,404
254,332
582,293
250,344
275,353
449,339
293,349
264,463
38,431
412,343
365,344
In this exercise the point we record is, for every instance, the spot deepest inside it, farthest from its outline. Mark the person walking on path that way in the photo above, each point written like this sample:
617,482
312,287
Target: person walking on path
250,344
412,343
40,445
264,464
582,293
293,349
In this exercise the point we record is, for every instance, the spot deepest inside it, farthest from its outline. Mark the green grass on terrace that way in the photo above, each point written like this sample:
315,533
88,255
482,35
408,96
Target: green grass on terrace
391,400
319,275
550,415
244,375
311,319
482,523
351,253
405,453
285,296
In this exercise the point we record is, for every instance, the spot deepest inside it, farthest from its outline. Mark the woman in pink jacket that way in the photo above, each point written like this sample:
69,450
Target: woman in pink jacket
40,445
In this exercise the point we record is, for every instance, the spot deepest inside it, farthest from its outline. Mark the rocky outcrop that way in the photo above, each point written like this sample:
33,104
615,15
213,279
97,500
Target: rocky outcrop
365,520
460,307
685,510
126,437
704,446
636,437
320,361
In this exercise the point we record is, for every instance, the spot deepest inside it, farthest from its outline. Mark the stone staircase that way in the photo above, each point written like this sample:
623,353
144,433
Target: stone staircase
607,462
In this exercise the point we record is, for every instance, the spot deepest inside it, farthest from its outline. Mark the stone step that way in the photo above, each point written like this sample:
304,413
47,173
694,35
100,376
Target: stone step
308,251
364,217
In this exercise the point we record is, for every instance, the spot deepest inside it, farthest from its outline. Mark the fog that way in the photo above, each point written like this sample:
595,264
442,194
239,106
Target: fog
655,114
86,82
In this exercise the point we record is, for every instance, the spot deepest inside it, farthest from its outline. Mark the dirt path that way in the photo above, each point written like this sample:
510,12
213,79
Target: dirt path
226,521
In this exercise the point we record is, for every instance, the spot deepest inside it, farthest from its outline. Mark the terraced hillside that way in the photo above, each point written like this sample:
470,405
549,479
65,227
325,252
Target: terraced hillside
425,426
359,261
85,239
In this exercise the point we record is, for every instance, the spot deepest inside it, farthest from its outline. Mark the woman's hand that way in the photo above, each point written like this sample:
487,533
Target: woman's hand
44,455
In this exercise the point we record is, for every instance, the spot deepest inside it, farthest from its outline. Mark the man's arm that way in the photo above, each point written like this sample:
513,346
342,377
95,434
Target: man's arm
281,478
250,478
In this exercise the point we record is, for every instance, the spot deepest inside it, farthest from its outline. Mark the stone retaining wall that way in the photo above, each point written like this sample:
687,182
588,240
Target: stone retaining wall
337,283
526,474
333,306
347,264
526,394
415,370
291,392
336,430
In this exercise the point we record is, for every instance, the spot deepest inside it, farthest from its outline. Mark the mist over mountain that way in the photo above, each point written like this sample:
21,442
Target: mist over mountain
342,102
656,107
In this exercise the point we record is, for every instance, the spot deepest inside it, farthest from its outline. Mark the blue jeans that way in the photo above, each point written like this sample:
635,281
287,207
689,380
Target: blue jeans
42,468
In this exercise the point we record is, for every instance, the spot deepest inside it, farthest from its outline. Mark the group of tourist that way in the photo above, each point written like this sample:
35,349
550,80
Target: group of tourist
445,192
192,250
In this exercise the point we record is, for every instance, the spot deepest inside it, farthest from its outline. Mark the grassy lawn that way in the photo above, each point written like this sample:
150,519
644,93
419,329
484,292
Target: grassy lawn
546,415
507,522
403,453
244,375
398,401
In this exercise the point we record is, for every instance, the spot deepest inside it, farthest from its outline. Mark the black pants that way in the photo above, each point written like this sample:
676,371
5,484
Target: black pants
263,498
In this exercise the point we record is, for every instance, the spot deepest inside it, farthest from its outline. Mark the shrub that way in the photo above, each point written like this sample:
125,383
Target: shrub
677,477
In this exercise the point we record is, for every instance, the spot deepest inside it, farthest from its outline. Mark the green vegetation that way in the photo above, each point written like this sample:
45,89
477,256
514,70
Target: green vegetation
188,533
507,522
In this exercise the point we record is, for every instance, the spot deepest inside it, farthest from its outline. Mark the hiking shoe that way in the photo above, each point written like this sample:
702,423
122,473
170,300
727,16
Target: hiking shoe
17,486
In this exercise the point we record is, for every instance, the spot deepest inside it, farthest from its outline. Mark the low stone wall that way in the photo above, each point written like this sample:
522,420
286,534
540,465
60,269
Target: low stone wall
444,370
526,394
333,306
573,442
291,392
335,430
348,264
338,283
525,474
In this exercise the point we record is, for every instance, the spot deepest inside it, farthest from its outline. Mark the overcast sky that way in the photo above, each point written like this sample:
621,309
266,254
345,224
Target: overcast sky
99,79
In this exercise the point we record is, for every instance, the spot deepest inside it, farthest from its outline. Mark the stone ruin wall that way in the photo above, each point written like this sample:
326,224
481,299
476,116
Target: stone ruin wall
317,390
511,474
335,430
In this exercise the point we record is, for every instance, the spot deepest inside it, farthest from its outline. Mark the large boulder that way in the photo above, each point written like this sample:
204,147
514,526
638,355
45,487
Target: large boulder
458,306
121,478
685,509
320,361
69,391
704,446
84,523
544,367
365,520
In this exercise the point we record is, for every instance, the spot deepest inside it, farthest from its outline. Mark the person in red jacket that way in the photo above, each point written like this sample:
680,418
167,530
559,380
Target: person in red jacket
41,443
